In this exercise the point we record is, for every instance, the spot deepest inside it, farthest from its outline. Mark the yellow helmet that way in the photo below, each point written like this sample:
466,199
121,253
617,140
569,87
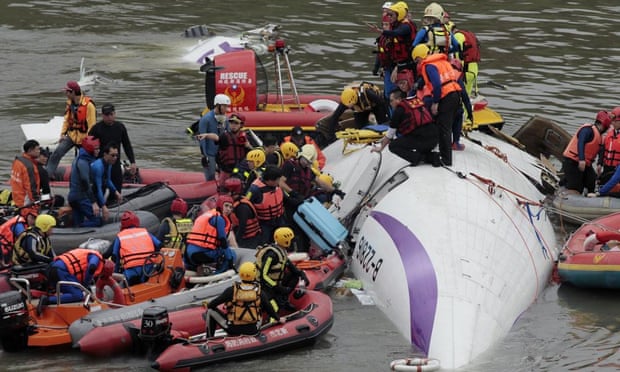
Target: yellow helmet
400,9
420,51
257,157
348,96
308,152
434,10
283,236
248,272
403,4
44,222
326,178
289,150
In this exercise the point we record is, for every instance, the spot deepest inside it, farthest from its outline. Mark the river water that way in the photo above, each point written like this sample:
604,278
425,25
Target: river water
557,59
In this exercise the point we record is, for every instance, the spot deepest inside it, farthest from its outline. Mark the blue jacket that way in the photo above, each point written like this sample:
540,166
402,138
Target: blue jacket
101,175
208,124
80,182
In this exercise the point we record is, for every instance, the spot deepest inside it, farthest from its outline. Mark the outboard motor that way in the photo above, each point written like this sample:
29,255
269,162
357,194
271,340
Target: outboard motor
155,330
13,321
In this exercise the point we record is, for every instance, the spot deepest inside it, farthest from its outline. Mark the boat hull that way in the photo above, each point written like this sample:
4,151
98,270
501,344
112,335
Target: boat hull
452,259
576,208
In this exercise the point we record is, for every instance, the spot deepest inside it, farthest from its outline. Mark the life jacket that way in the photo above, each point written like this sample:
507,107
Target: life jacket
447,74
236,150
245,305
384,50
7,237
301,178
76,261
43,246
591,149
276,270
416,115
438,38
471,47
400,50
203,234
32,175
611,155
178,230
252,227
135,246
272,205
77,118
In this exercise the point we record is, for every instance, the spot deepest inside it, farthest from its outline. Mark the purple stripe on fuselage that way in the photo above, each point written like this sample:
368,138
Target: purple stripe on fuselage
421,279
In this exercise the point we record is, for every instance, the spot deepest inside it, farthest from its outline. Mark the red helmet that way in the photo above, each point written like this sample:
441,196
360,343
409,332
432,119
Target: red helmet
178,206
210,203
603,118
108,269
90,143
615,113
223,199
26,211
129,219
237,117
233,185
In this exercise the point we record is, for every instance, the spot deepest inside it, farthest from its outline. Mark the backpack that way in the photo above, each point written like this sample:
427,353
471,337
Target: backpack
471,47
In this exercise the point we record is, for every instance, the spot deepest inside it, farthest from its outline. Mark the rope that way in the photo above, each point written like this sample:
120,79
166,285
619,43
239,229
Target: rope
497,152
309,264
491,185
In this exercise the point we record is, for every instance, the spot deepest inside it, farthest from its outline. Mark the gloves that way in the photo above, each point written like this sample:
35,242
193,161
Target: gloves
375,71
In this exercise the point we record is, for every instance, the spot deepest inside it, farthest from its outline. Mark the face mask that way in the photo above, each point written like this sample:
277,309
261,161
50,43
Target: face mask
220,118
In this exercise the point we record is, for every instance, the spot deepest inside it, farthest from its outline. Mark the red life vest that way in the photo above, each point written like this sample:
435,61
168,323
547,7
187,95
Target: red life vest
77,120
272,205
135,246
76,261
401,45
234,152
252,227
471,47
611,155
447,74
301,178
591,150
416,115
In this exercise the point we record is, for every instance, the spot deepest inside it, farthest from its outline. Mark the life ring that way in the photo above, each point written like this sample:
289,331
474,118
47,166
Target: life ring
118,298
321,105
415,364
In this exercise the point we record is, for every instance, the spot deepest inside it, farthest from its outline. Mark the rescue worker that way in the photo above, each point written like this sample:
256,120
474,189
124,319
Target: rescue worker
101,179
245,304
268,199
83,201
278,275
173,229
609,159
273,154
210,127
434,33
80,117
79,265
33,244
245,224
298,176
580,154
131,247
469,55
394,45
289,150
207,242
299,139
441,80
25,179
249,169
363,99
233,146
11,229
417,134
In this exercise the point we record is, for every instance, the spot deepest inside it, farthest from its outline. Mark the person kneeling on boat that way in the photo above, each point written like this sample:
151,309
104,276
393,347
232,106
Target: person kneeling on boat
33,244
173,230
132,246
86,211
245,303
79,265
412,134
207,243
278,275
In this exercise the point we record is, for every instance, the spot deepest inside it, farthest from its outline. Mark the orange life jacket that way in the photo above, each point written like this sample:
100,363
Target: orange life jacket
272,205
252,227
135,246
591,149
7,236
611,155
204,234
77,120
447,74
76,261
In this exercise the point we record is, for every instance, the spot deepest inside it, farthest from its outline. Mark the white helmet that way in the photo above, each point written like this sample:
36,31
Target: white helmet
221,99
434,10
387,5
